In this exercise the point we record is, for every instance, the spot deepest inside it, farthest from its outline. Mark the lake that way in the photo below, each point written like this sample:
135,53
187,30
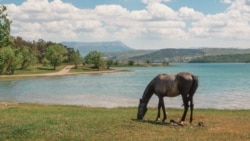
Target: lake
221,86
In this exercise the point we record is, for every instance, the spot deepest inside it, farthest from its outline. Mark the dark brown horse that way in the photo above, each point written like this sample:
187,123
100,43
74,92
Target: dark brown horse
162,85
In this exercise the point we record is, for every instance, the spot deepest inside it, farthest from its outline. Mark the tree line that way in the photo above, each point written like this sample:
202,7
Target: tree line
17,53
226,58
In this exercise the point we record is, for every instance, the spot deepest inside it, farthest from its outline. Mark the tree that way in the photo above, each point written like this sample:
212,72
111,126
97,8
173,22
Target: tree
109,63
28,57
95,58
75,57
131,62
41,47
9,59
56,54
5,38
45,61
148,61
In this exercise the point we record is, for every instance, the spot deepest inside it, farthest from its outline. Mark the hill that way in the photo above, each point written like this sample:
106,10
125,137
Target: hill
202,55
119,51
105,47
229,58
127,55
224,51
172,55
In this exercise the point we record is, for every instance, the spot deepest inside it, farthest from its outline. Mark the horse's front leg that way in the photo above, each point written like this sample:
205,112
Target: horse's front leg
163,110
158,112
161,105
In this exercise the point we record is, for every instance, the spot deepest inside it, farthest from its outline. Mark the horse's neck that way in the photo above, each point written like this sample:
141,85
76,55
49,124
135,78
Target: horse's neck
149,91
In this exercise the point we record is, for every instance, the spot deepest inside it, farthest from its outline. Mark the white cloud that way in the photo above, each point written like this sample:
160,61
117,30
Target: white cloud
226,1
161,11
157,22
154,1
189,13
233,24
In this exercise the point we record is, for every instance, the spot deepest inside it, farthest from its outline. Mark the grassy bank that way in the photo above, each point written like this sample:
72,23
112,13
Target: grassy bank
55,122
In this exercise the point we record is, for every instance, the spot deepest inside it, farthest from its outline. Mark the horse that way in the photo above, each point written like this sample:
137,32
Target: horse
183,83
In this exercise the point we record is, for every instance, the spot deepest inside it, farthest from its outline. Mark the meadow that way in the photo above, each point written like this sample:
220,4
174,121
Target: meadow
19,121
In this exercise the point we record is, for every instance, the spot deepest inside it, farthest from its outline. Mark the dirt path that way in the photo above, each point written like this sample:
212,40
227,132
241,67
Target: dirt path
64,71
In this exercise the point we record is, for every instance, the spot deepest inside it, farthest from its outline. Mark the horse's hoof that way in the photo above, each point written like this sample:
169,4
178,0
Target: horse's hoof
163,120
201,124
157,119
182,123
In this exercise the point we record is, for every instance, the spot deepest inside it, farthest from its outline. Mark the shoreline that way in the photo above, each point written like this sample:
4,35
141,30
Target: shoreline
8,104
65,71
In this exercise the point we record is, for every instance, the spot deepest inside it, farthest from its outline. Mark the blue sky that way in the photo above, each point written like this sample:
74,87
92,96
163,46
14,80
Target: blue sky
206,6
141,24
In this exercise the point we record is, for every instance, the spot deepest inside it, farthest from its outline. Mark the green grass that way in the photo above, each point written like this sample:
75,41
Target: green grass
57,122
38,69
87,69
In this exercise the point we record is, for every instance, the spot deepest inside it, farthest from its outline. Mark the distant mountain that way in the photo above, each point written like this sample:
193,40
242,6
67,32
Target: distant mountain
117,50
104,47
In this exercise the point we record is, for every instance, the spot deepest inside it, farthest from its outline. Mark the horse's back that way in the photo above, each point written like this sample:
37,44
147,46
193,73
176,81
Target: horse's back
185,81
166,85
173,85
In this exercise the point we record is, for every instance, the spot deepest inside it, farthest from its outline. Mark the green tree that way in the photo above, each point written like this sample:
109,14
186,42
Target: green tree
75,57
95,58
9,60
5,38
109,63
148,61
45,61
28,57
131,62
41,47
56,54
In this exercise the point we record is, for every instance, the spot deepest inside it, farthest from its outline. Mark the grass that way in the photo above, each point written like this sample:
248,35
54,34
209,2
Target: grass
38,69
87,69
58,122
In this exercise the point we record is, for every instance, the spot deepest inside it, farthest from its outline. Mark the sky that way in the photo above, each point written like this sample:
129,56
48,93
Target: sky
140,24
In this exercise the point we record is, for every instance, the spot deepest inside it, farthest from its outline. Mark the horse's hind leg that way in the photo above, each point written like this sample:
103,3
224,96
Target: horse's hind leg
163,110
191,108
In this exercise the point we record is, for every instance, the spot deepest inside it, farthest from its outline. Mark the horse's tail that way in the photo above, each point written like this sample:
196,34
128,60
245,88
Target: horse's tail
194,85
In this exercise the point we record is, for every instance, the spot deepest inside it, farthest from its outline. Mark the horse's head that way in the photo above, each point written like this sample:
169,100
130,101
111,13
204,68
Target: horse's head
142,109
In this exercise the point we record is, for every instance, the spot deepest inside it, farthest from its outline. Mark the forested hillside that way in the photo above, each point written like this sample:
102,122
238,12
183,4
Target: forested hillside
172,55
231,58
197,55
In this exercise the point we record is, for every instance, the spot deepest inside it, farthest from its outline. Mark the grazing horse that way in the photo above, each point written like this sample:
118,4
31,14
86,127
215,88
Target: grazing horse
162,85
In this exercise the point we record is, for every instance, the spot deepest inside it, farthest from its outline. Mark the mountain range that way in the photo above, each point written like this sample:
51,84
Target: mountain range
104,47
117,50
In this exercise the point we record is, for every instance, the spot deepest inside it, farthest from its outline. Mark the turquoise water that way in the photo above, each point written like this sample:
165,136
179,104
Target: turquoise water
222,86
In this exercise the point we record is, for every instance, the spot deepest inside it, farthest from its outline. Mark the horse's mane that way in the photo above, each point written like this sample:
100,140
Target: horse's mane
149,91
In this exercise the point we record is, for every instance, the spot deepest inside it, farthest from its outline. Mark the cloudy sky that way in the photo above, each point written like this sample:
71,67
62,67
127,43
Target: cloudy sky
141,24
